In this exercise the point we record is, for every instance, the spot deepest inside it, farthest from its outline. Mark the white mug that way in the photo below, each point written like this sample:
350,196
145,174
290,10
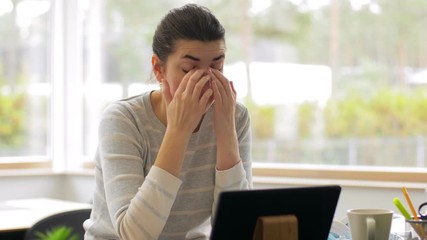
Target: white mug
370,224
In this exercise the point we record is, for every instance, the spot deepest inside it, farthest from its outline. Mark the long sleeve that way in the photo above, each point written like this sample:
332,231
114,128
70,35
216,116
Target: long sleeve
138,206
154,201
238,177
134,199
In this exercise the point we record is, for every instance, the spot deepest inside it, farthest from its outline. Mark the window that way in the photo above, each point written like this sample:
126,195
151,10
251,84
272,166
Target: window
345,82
116,56
330,85
25,81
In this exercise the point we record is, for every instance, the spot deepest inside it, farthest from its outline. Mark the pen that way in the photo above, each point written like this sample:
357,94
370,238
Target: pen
401,208
408,199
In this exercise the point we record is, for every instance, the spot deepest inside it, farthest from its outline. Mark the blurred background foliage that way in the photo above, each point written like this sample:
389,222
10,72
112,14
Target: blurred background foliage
373,49
12,112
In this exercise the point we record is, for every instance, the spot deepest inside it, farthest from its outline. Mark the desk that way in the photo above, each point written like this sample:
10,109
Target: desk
16,216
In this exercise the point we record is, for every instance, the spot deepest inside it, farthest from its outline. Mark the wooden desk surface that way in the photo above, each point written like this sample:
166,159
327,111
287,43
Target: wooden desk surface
23,213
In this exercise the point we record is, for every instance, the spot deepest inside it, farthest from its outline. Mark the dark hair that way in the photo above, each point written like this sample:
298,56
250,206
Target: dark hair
189,22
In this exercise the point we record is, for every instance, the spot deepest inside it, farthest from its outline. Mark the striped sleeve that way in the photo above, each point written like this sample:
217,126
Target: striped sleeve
138,206
153,202
239,177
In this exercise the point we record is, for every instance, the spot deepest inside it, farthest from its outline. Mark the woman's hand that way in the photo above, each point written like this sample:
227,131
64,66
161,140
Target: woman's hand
184,110
186,107
224,120
225,104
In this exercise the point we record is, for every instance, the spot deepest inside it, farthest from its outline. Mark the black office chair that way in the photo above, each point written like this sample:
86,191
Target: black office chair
73,219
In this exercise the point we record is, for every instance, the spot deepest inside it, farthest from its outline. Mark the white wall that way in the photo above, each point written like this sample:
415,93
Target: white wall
32,186
79,187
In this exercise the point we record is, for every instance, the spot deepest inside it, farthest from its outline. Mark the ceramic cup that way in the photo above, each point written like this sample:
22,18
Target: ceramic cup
370,224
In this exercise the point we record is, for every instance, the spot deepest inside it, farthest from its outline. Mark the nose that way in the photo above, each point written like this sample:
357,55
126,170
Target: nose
205,71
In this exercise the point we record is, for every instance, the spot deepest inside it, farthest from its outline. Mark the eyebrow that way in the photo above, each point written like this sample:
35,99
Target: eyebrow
198,59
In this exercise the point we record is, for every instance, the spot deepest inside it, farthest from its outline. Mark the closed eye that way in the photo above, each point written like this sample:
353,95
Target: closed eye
218,67
186,71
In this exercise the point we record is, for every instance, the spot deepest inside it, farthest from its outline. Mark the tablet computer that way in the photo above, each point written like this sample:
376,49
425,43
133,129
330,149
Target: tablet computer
238,211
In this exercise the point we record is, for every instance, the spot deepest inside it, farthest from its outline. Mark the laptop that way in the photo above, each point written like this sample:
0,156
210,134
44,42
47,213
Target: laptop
238,211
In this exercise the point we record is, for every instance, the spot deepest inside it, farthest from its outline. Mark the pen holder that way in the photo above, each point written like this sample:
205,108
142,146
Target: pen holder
419,227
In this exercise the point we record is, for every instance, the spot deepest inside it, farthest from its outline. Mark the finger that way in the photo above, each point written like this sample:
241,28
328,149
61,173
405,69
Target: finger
200,86
220,76
224,82
184,82
216,91
204,100
193,80
219,92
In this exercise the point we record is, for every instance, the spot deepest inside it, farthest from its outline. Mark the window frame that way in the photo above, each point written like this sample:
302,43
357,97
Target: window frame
340,173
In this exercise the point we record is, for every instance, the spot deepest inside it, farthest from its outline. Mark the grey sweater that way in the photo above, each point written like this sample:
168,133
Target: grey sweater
135,200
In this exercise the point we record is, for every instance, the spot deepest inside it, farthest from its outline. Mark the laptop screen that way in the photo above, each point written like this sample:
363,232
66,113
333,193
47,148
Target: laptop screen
238,211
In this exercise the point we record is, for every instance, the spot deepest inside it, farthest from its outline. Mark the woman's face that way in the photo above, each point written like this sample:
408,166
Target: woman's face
192,54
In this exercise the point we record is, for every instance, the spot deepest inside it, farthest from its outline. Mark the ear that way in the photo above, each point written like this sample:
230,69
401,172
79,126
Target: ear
157,66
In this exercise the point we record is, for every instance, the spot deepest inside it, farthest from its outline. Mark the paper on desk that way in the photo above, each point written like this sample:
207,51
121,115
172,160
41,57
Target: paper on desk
339,231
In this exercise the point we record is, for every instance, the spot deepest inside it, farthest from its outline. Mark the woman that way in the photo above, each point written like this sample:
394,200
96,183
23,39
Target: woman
164,156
